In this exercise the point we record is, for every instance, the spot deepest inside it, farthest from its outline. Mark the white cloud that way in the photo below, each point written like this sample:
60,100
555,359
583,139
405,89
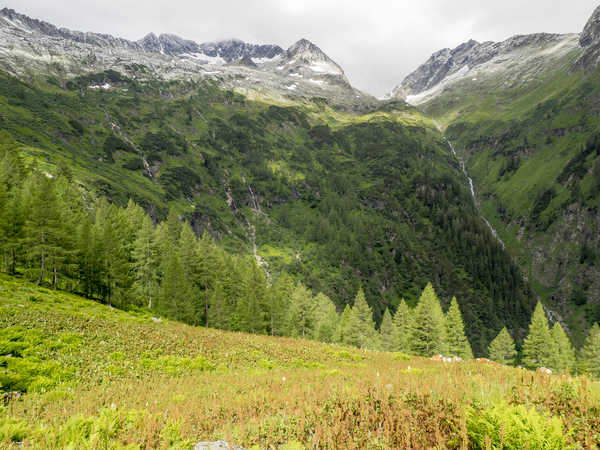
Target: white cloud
377,42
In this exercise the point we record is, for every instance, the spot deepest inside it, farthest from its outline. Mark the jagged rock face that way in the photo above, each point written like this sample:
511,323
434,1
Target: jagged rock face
590,41
591,32
473,59
302,72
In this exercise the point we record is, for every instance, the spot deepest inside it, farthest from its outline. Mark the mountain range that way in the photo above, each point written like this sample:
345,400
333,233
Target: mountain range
479,172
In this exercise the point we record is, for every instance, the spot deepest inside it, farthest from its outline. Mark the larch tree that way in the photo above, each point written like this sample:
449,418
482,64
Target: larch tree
364,321
301,312
502,348
145,263
325,319
458,344
347,329
539,347
589,356
387,332
402,328
564,357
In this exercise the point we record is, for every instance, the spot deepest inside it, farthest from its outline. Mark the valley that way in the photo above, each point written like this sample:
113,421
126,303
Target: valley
228,241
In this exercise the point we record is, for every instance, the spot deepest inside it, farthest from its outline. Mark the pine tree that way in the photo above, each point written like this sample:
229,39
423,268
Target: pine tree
538,347
403,323
589,357
458,344
364,321
502,348
428,333
387,332
564,358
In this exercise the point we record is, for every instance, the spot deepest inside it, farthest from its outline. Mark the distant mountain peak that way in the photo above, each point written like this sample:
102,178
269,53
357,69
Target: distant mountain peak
591,32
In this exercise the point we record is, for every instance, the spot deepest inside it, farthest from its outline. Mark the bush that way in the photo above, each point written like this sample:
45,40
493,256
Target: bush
512,427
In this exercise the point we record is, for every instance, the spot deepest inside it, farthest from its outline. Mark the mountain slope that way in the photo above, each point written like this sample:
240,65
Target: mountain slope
31,47
523,115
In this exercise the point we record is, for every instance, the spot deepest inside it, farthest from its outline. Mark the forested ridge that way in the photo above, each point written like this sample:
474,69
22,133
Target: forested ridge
333,203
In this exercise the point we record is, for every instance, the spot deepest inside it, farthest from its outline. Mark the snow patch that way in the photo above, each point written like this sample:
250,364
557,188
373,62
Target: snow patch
319,82
324,67
104,86
18,27
291,87
205,59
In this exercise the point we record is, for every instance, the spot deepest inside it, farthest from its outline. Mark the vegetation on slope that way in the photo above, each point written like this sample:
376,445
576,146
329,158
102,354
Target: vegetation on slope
532,150
337,204
123,380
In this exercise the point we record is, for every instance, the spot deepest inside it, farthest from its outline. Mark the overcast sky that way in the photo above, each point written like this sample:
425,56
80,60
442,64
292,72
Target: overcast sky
377,42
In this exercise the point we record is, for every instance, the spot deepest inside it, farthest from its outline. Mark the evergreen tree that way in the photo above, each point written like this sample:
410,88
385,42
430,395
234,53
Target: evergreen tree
42,228
403,324
589,357
387,332
538,348
502,348
145,263
347,329
564,357
325,319
190,266
301,312
364,321
428,333
458,344
278,302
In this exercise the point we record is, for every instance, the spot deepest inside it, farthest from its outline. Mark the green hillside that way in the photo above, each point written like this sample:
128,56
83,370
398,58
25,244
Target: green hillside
96,377
532,150
337,201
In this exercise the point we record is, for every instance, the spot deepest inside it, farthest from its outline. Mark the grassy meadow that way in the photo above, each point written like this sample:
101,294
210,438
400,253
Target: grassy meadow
96,377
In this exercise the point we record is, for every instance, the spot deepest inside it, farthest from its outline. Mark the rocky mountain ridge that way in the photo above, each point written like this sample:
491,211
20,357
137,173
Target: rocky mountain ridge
524,56
30,46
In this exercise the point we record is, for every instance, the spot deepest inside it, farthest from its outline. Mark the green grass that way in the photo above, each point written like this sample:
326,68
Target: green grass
116,379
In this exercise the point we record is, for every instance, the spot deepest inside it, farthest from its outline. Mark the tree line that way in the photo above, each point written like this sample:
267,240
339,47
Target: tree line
55,234
549,347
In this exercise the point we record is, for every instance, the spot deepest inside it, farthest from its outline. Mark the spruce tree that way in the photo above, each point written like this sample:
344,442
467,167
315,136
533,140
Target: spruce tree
364,321
428,333
403,323
564,357
589,357
387,332
502,348
539,347
458,344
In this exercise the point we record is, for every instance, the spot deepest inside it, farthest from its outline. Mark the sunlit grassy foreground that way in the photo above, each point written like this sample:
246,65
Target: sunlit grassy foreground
97,377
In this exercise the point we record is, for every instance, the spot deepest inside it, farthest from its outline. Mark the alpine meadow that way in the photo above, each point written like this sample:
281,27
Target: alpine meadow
227,245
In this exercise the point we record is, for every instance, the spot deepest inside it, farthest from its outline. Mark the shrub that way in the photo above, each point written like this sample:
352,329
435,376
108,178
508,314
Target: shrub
503,426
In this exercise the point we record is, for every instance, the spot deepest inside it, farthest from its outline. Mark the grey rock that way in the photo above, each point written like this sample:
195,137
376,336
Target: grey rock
302,73
217,445
591,31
